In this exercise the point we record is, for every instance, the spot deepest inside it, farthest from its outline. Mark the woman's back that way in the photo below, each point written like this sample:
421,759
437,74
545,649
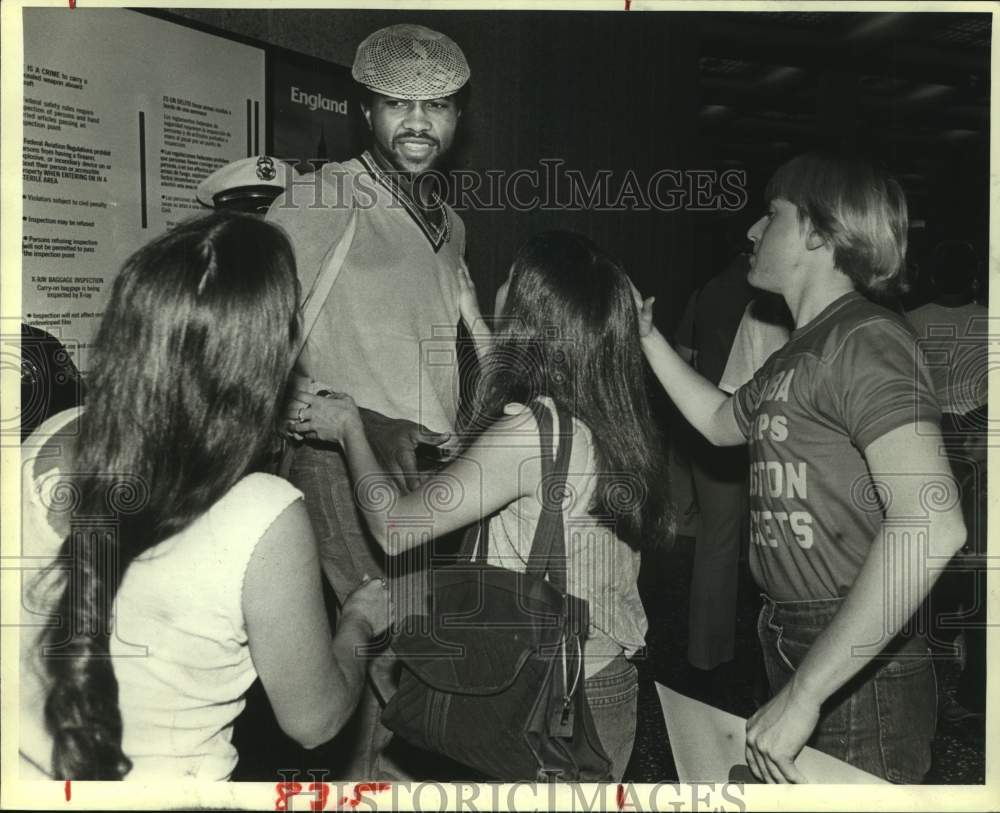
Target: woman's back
210,569
179,638
601,568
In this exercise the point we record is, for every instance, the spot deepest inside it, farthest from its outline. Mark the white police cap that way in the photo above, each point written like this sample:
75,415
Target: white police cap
248,184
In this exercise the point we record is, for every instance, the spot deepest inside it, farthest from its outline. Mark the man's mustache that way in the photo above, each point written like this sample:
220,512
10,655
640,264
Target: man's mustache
416,137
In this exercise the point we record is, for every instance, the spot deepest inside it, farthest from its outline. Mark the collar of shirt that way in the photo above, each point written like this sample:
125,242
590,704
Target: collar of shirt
419,196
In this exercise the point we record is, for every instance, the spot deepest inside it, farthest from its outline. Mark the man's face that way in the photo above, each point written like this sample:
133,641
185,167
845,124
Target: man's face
412,135
780,248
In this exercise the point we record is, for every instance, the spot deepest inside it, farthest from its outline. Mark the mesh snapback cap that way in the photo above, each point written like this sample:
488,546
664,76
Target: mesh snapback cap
410,62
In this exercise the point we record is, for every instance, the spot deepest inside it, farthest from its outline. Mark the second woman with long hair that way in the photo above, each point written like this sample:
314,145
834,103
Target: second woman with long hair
567,340
178,570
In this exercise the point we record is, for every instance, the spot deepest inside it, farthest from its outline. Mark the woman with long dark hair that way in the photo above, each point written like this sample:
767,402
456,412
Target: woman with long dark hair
567,338
177,569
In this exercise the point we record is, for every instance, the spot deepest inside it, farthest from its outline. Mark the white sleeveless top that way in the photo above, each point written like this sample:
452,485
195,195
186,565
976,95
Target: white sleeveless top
600,566
179,640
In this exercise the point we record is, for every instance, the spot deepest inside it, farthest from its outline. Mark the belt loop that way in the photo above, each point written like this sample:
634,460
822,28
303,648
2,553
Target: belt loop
768,605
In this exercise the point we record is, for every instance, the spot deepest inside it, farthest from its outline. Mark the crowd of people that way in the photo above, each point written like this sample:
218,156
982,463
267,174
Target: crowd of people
262,408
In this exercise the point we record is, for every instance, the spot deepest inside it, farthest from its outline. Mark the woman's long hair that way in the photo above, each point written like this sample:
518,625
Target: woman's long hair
569,331
189,367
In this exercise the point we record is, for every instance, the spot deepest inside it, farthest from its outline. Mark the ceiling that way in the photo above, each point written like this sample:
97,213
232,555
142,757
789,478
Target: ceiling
911,89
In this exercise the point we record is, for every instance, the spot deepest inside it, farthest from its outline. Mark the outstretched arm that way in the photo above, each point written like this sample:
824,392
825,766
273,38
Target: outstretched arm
501,466
393,440
312,679
706,407
897,575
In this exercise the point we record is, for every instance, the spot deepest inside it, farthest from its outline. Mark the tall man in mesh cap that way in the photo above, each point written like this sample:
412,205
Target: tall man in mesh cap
386,332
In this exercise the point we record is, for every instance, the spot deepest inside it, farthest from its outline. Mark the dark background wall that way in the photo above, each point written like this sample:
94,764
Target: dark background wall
616,92
602,92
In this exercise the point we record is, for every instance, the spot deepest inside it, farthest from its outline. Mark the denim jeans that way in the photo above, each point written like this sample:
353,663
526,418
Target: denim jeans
612,694
348,552
883,720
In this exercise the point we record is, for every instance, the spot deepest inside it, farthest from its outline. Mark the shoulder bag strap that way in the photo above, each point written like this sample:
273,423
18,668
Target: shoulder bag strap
332,264
478,532
548,548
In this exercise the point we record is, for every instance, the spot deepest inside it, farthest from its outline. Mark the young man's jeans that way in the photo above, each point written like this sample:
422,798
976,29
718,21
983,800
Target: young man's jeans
612,694
883,720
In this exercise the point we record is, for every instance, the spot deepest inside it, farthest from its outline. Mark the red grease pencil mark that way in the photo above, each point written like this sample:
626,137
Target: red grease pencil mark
72,5
68,790
322,791
286,790
628,4
620,798
361,790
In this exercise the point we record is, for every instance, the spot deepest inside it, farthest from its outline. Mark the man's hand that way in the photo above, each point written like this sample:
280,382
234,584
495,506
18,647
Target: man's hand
394,442
468,307
778,732
293,405
468,300
330,417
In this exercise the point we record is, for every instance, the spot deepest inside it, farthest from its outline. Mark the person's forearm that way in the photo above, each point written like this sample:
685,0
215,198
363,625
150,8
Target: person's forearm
695,396
893,581
347,676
